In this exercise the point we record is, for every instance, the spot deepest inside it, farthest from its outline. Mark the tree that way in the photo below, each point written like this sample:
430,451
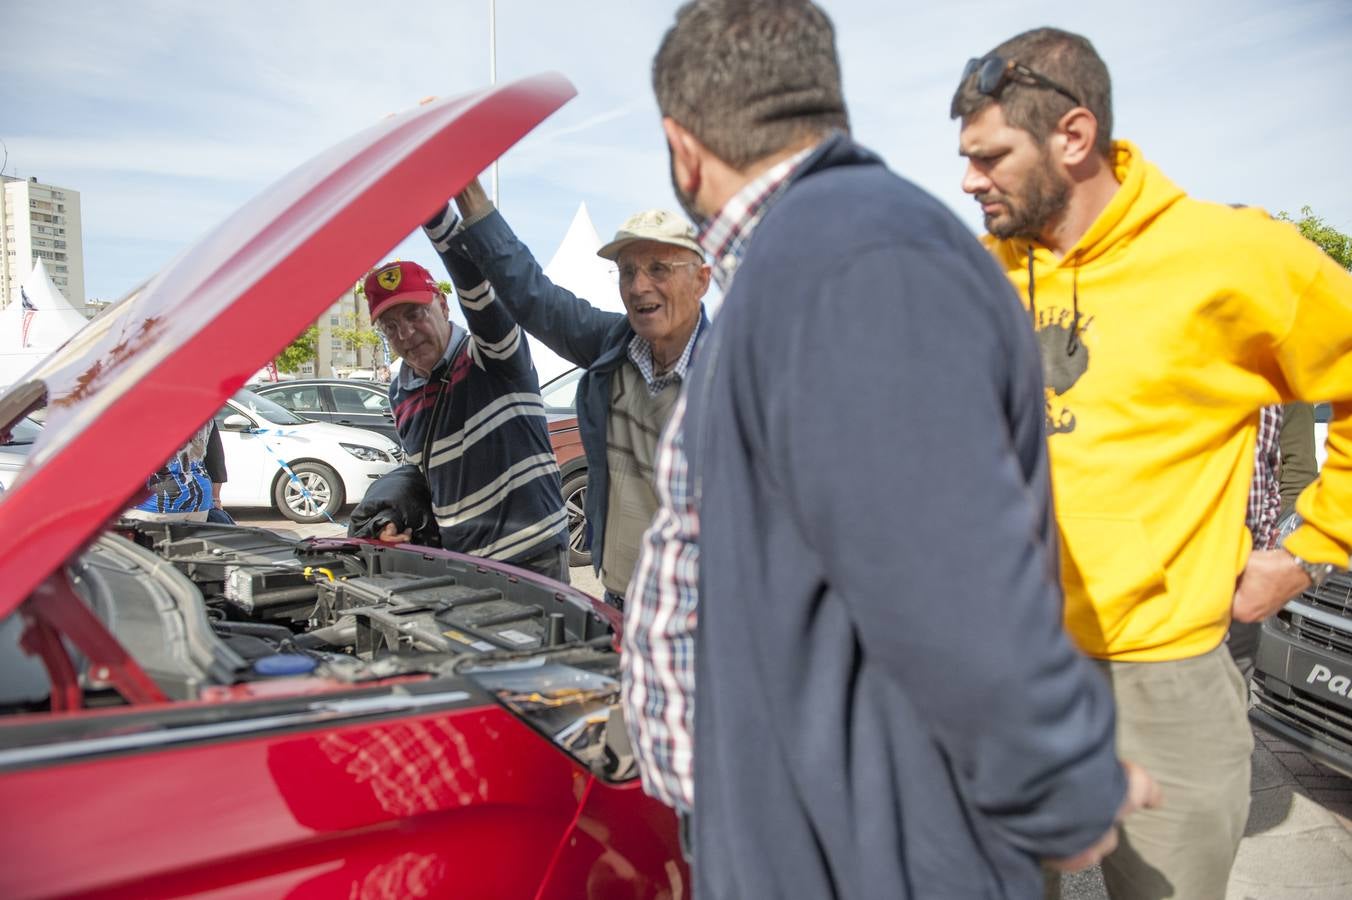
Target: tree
355,335
300,351
376,339
1330,240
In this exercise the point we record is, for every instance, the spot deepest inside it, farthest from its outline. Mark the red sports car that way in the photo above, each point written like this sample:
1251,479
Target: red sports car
198,709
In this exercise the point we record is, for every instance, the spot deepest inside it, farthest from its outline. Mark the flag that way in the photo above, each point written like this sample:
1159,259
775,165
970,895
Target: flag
29,310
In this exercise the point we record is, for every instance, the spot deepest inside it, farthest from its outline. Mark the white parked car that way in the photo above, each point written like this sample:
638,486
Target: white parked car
329,465
14,449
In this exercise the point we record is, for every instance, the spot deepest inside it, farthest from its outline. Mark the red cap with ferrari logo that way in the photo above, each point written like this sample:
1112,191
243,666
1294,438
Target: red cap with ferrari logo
399,282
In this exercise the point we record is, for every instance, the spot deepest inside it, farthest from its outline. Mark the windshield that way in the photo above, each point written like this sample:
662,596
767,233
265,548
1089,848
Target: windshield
267,409
25,431
560,394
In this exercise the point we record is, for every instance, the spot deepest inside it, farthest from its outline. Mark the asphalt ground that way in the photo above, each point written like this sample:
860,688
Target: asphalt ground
1297,845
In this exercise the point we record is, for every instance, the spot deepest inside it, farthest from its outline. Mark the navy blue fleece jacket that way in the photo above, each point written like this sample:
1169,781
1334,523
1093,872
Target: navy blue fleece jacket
887,704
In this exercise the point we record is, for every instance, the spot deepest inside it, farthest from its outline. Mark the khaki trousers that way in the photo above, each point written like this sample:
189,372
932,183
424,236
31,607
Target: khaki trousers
1186,721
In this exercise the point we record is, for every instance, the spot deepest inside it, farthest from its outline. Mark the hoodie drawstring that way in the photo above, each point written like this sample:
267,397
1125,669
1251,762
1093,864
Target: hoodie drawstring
1073,340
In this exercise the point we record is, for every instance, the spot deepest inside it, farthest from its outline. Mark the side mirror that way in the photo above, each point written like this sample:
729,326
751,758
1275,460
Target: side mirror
236,422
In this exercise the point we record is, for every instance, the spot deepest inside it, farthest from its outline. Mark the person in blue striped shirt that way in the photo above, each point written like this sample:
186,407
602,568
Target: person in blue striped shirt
181,490
469,415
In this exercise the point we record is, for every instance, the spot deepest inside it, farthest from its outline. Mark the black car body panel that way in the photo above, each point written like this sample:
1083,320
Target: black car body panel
1302,684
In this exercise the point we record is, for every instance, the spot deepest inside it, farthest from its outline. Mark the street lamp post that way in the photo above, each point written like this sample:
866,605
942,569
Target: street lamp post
493,73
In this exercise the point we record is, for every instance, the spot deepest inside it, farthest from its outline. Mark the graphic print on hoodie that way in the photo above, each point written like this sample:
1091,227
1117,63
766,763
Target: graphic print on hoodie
1065,358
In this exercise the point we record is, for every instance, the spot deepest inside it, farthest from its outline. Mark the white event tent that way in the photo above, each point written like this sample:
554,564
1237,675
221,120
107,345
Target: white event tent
35,326
576,266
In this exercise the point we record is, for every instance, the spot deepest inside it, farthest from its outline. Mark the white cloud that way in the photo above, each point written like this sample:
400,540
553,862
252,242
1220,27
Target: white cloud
166,116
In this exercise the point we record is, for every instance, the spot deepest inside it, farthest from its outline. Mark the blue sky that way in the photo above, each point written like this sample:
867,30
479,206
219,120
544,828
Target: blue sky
167,116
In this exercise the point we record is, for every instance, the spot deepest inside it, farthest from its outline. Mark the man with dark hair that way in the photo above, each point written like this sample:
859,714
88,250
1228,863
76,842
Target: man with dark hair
1062,59
888,705
1165,325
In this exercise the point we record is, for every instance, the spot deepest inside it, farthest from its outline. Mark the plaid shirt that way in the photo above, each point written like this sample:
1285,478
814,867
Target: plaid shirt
1265,498
641,355
660,614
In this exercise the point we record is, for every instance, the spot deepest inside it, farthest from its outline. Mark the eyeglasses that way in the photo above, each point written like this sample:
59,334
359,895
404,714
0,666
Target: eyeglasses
657,271
407,317
992,72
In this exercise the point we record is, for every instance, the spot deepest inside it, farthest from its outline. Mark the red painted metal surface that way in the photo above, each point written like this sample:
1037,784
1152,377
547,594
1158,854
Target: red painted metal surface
42,640
610,852
456,804
55,606
468,802
566,440
174,349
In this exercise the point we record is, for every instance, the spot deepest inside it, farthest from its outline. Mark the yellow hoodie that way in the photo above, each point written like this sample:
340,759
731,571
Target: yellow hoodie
1191,317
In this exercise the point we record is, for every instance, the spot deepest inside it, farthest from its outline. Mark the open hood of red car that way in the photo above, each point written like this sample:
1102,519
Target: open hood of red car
125,393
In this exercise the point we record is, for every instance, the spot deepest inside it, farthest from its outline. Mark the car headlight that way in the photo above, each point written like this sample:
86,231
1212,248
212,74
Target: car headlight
367,454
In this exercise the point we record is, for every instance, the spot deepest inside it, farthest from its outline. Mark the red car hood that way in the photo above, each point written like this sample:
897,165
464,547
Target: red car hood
126,392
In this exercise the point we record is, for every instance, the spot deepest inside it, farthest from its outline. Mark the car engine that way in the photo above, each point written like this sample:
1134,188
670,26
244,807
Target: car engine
205,609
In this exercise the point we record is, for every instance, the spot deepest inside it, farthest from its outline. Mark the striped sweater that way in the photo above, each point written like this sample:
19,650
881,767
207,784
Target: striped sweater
476,427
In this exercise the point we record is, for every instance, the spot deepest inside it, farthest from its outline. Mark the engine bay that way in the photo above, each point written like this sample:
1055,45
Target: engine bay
361,602
210,612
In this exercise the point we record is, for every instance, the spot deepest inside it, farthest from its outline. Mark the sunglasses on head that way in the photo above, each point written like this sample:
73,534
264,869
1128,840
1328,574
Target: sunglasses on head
993,72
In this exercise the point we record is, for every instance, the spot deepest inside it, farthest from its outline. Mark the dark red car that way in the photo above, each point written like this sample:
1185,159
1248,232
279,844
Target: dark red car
560,397
196,709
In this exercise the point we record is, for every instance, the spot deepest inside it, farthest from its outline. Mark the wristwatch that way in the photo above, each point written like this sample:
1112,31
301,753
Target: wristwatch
1318,572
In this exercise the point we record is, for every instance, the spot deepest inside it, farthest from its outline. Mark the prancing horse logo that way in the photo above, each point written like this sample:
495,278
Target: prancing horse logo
390,278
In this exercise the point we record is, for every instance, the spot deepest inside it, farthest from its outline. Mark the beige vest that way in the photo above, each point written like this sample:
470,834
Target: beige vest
632,430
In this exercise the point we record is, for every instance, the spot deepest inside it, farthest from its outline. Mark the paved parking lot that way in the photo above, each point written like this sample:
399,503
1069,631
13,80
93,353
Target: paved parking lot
1298,843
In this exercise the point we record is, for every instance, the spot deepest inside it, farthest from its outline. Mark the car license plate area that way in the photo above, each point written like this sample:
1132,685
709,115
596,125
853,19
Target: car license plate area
1323,678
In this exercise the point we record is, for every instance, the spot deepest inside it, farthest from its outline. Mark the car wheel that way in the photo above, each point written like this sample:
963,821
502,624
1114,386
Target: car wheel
315,494
575,503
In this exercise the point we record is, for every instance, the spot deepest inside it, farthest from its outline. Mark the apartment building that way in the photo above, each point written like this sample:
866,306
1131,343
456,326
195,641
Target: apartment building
336,356
40,221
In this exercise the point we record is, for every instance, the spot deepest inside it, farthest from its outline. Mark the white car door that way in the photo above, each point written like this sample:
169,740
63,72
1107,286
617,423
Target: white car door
248,461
